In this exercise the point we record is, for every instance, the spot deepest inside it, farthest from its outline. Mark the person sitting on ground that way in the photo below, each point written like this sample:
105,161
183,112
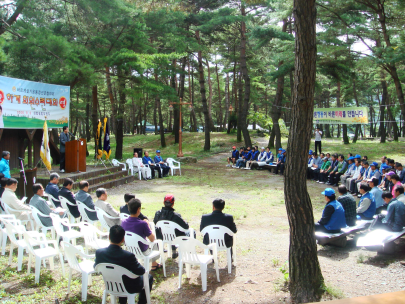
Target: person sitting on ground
320,174
23,212
377,193
146,160
53,189
375,173
366,208
400,172
101,203
349,205
84,197
233,158
114,254
145,170
38,202
160,163
339,170
395,181
66,192
124,209
167,214
333,215
134,224
395,218
217,217
349,170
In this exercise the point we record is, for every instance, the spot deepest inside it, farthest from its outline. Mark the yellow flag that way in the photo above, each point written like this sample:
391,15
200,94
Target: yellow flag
99,148
45,151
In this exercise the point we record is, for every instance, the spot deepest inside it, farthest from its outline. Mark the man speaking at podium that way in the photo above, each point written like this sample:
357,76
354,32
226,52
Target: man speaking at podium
64,138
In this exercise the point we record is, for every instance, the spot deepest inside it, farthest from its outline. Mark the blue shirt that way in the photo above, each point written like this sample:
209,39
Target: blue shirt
395,217
5,167
248,155
147,160
158,159
377,193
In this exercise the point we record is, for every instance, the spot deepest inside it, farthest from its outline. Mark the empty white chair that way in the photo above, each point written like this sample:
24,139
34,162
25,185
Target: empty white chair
3,231
85,267
131,241
189,256
91,239
112,276
85,211
64,202
14,227
10,210
101,214
124,216
116,163
167,229
174,165
43,253
70,234
36,214
216,235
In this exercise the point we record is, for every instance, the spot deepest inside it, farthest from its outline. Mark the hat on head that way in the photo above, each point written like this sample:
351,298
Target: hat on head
357,156
390,173
311,152
281,149
284,151
374,164
263,148
157,151
328,192
350,158
169,198
233,147
325,158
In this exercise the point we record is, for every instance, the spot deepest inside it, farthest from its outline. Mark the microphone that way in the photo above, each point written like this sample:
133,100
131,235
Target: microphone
71,134
21,158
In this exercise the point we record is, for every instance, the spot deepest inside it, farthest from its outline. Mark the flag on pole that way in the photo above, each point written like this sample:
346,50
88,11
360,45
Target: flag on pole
45,151
106,148
98,141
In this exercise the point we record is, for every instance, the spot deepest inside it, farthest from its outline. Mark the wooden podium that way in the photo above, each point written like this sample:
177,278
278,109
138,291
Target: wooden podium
75,156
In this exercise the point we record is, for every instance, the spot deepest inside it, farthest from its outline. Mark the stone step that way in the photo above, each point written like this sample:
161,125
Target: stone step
112,183
101,178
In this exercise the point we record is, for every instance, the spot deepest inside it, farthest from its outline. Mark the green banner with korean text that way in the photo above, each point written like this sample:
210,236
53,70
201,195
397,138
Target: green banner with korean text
342,116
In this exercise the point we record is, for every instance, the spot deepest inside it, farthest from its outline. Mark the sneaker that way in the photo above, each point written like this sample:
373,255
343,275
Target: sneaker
321,182
62,171
358,195
328,183
233,166
228,165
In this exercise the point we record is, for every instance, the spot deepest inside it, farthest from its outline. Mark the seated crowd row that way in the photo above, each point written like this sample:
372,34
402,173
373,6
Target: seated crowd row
134,222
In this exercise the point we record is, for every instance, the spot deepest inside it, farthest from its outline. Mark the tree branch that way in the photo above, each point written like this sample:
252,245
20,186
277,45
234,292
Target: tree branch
13,17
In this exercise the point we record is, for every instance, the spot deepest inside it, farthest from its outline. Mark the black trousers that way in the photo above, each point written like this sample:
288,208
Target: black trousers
318,144
334,179
136,287
165,169
153,169
280,167
319,227
62,160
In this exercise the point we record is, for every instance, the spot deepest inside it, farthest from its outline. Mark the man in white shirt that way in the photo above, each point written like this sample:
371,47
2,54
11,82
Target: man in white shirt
355,173
137,162
318,140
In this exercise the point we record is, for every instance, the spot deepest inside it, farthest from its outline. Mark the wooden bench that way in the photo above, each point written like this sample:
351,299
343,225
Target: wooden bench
340,239
385,298
380,239
271,168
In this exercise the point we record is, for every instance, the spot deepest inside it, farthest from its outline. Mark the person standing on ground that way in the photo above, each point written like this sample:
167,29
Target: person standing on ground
64,138
318,140
5,165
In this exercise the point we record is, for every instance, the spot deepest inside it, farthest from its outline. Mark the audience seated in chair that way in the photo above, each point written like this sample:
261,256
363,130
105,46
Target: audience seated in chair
83,196
338,171
377,194
136,225
167,214
319,175
333,215
114,254
66,192
53,189
146,160
101,203
145,170
349,205
124,209
160,163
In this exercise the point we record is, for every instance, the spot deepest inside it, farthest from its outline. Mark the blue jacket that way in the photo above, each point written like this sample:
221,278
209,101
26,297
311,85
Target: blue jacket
248,156
235,154
255,155
147,160
371,210
5,167
270,157
337,219
395,217
158,159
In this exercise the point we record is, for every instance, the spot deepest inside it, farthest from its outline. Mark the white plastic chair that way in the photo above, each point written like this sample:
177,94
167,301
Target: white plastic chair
42,253
64,202
10,210
70,234
83,209
112,276
52,200
137,168
14,227
167,229
90,235
124,216
39,225
189,256
216,235
101,214
116,163
3,231
131,241
85,267
172,164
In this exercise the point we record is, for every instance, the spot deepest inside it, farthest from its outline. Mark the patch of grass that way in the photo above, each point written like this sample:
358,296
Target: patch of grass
333,292
361,258
275,262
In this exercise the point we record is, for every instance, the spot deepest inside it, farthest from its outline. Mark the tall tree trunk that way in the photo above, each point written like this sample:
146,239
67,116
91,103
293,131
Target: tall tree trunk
193,120
239,110
111,96
161,127
384,101
345,137
119,135
207,144
145,104
306,280
226,118
210,95
94,120
176,112
246,77
220,122
88,133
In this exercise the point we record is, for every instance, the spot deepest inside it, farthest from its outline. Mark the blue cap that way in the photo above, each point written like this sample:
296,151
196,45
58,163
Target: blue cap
310,152
284,151
350,158
281,149
374,164
328,192
357,156
157,151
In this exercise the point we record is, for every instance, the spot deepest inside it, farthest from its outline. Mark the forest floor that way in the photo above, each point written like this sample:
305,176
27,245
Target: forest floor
256,200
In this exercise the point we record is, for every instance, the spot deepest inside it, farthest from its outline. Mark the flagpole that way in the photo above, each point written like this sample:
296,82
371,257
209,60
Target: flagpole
41,160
